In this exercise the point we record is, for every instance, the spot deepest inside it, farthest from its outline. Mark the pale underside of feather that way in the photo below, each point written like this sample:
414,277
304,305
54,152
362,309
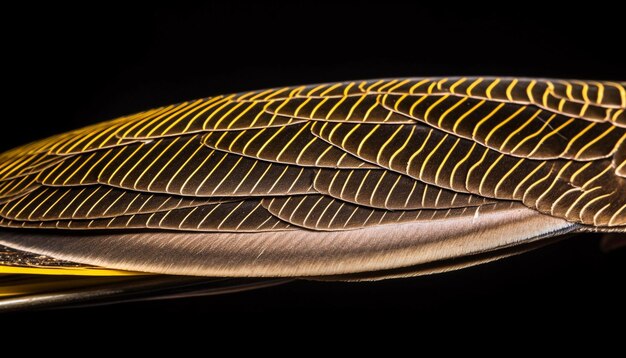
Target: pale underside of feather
300,252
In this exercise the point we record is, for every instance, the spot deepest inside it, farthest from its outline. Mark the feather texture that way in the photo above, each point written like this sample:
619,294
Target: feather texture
328,180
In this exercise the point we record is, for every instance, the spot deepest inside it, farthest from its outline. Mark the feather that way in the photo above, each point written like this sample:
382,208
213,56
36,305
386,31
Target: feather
294,144
389,190
92,202
346,181
295,253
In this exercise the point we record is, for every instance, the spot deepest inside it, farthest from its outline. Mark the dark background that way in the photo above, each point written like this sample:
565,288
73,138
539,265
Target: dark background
67,67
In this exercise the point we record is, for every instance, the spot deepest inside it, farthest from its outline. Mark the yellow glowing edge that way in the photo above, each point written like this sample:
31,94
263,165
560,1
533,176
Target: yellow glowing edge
74,271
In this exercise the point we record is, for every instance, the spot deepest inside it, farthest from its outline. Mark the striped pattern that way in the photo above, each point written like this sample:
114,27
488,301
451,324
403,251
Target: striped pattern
519,130
320,212
338,156
302,147
179,166
92,202
241,216
389,190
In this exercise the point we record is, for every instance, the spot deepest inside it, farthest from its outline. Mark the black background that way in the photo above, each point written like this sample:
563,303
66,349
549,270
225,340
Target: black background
67,67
